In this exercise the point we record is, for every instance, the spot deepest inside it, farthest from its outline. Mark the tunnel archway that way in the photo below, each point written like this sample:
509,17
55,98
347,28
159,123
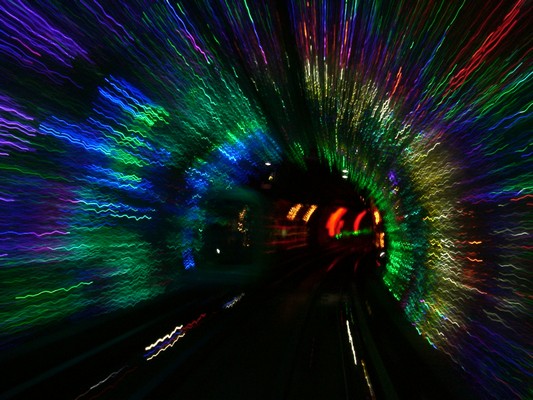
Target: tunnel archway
121,123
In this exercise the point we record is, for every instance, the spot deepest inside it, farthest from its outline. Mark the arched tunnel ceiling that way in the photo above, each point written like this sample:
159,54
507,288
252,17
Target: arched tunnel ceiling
313,183
118,119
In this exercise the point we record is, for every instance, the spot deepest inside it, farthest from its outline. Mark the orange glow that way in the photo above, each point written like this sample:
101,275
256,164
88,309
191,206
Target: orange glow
335,222
382,240
291,215
377,217
309,212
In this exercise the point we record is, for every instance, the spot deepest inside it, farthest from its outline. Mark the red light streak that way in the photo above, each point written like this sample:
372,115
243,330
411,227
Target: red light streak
335,222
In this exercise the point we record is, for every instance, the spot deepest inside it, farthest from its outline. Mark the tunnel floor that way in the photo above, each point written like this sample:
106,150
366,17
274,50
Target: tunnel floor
289,342
317,329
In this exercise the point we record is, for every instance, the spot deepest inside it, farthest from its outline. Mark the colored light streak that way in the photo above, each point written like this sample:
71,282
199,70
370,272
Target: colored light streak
291,215
309,213
345,234
350,340
377,217
367,379
358,219
233,301
117,121
380,242
169,340
335,221
54,291
111,377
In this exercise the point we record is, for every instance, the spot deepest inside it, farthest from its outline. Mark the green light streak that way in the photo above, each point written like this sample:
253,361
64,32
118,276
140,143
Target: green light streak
54,291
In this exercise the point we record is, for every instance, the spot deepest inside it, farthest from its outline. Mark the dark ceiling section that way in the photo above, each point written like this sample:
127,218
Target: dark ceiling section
315,184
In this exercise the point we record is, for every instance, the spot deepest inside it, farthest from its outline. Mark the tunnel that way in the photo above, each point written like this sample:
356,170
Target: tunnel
276,199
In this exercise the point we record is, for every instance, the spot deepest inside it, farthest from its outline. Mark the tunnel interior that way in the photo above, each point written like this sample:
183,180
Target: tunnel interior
150,150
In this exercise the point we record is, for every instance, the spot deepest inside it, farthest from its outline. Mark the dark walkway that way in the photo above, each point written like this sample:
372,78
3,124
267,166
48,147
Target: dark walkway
317,330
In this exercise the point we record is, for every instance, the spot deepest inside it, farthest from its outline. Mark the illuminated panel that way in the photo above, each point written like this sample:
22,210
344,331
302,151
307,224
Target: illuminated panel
309,213
377,217
291,215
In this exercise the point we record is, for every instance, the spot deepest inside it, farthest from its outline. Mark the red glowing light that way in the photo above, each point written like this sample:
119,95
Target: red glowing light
335,222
